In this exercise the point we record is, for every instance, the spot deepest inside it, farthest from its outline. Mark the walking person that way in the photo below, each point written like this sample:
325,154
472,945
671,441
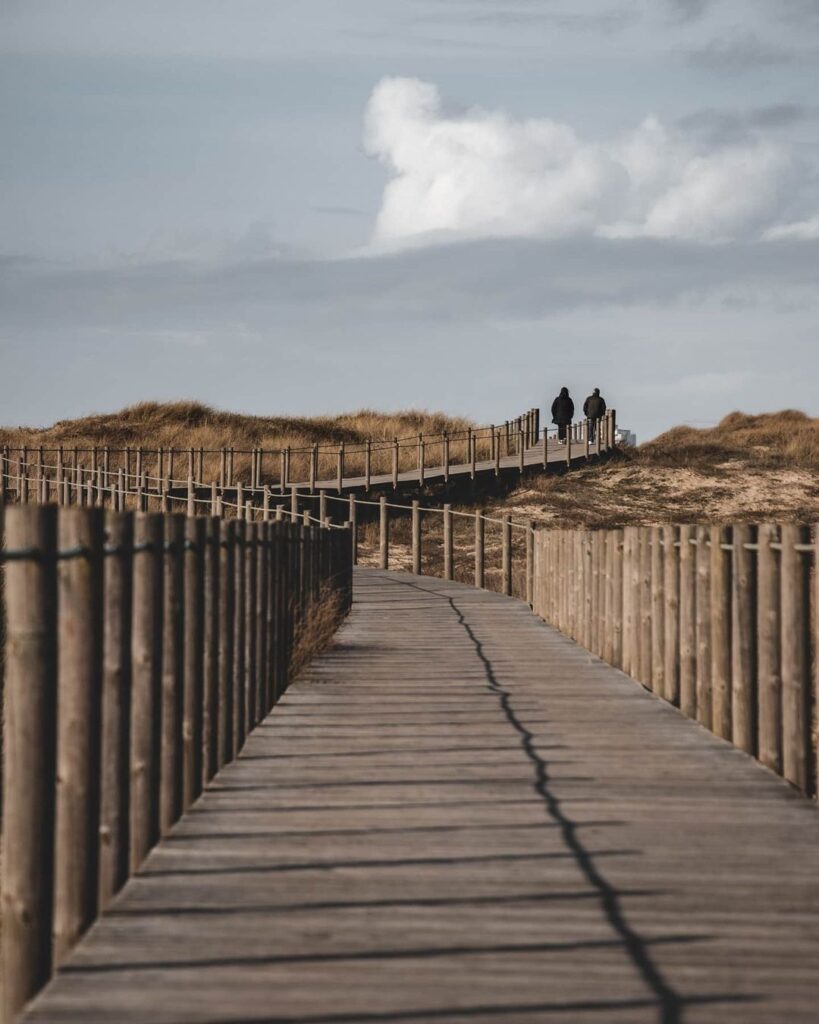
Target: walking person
562,413
594,409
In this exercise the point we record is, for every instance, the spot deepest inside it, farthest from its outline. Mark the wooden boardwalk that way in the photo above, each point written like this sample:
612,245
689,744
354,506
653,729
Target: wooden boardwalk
458,815
556,456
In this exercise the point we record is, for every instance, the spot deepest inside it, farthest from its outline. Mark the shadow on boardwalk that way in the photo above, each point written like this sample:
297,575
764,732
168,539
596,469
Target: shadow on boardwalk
458,815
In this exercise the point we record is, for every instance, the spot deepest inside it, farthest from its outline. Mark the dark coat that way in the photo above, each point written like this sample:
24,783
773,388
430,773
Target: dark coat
594,408
562,409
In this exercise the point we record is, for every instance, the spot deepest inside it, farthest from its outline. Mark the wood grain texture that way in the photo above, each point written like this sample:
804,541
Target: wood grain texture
505,829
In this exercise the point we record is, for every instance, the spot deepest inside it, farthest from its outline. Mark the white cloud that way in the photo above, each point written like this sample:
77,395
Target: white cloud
803,230
478,173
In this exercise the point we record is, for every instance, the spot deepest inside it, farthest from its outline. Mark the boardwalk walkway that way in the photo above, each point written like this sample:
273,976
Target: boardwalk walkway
458,815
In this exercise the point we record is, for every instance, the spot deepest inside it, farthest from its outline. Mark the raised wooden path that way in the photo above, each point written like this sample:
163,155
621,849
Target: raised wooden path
458,815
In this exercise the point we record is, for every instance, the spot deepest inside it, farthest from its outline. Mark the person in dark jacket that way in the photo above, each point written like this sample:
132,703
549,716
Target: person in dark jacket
562,413
594,409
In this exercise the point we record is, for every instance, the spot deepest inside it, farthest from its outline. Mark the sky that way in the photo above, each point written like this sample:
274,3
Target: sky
311,206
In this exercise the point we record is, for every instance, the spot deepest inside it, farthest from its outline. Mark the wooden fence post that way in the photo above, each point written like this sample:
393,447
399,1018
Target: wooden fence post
688,623
416,538
116,689
645,676
368,457
445,456
671,614
721,631
196,533
617,599
506,554
294,504
352,518
29,756
322,509
796,752
212,612
743,647
146,686
79,690
227,603
173,641
530,563
239,650
340,481
383,534
394,463
768,628
657,624
480,578
448,545
421,459
703,627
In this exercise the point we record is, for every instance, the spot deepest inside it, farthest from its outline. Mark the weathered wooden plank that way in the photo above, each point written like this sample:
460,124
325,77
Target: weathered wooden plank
504,829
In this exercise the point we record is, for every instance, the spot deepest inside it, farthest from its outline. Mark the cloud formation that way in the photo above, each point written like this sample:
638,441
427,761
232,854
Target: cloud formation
478,173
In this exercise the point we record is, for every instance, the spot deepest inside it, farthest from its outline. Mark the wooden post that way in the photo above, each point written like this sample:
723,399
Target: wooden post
704,691
227,605
569,446
191,508
322,509
367,465
266,503
340,481
796,752
210,668
617,599
251,616
145,686
352,518
222,468
688,623
657,623
479,539
768,625
521,452
239,650
173,636
29,755
530,563
294,504
448,546
395,463
196,533
743,647
506,544
645,662
116,688
445,456
473,444
721,631
383,534
671,615
416,538
79,644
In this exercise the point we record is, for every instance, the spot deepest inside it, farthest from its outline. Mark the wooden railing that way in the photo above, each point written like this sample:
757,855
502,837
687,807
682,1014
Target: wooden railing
24,472
140,650
721,621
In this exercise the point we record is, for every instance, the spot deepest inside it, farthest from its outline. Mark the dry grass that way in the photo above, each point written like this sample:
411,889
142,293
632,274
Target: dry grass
789,438
317,630
185,425
194,425
747,468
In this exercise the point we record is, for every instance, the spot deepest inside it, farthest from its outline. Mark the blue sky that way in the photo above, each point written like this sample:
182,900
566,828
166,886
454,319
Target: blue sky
304,207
